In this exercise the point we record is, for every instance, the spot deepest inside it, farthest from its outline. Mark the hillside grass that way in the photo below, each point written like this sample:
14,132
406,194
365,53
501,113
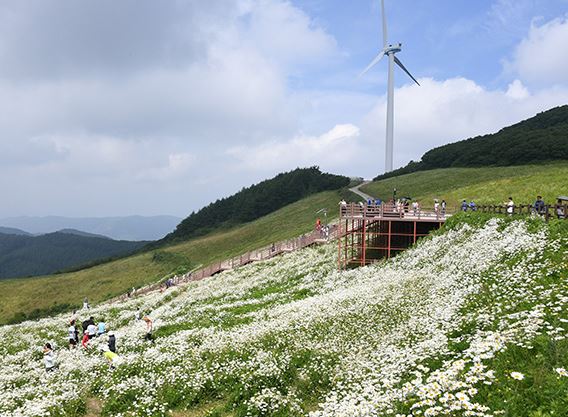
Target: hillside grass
42,296
488,185
473,318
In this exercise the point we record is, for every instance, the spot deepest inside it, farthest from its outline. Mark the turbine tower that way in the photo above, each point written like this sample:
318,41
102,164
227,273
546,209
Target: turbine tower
390,51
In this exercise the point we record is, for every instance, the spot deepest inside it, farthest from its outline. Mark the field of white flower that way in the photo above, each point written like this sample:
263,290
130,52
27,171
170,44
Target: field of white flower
471,322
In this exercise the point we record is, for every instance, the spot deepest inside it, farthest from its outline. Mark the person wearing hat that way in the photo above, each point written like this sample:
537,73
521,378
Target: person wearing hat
111,342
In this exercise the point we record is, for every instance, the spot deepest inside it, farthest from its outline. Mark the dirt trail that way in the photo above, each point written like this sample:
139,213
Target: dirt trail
94,407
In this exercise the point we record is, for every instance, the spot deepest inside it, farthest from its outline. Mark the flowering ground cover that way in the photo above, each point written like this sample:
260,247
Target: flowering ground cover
471,322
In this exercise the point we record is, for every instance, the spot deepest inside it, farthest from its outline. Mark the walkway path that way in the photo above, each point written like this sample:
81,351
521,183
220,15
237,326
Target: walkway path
357,191
277,248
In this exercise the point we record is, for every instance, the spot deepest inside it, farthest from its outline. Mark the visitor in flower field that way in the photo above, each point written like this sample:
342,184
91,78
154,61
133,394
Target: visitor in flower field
472,206
92,330
464,205
538,206
85,340
86,304
101,327
111,357
111,342
86,323
48,357
510,206
149,328
73,335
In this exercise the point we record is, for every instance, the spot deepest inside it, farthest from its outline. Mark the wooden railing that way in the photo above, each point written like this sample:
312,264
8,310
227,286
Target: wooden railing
391,211
549,211
277,248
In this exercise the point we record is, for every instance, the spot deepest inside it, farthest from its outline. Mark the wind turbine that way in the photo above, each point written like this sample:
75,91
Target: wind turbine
390,51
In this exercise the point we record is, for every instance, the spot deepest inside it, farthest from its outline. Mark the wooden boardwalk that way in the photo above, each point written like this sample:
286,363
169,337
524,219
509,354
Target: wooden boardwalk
267,252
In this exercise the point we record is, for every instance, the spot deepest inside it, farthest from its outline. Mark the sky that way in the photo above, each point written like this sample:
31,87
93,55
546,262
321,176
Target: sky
141,107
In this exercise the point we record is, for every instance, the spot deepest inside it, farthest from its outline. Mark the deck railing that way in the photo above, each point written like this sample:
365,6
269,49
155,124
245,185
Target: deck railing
392,211
549,211
317,236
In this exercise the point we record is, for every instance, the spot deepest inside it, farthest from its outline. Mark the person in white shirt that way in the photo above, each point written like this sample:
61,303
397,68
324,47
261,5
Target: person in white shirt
91,330
510,206
48,357
73,336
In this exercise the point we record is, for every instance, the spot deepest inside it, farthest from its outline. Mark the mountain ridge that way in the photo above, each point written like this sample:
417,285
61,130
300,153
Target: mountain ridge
24,256
133,228
538,139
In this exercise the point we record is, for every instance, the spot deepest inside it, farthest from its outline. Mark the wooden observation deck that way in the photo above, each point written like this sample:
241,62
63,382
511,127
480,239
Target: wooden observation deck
368,233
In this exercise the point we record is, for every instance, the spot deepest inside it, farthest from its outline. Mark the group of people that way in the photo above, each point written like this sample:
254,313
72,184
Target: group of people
403,206
90,331
323,229
93,330
465,206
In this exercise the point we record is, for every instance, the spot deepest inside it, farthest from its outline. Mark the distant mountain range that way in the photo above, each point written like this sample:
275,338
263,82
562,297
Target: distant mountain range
14,231
119,228
24,255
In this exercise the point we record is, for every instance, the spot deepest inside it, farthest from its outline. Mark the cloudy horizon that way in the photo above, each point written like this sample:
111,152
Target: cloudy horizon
138,107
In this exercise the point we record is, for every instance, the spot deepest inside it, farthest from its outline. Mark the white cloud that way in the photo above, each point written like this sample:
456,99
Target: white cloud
542,57
115,104
440,112
329,150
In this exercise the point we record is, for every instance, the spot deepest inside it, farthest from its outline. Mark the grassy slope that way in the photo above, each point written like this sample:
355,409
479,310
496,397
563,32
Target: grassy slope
104,281
490,185
448,322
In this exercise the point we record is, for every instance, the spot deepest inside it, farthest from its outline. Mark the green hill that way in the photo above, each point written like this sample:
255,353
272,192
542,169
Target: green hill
256,201
471,322
543,137
25,256
490,185
41,296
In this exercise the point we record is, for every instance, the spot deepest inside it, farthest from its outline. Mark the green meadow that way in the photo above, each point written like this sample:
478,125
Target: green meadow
41,296
488,185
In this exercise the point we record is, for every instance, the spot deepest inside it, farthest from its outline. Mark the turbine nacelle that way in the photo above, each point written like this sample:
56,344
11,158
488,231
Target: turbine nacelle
393,49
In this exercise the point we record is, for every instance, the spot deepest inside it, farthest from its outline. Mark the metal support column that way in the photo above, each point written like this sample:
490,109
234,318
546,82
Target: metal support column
389,241
414,241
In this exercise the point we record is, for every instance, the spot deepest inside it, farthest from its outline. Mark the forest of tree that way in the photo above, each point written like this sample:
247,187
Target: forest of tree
23,256
256,201
543,137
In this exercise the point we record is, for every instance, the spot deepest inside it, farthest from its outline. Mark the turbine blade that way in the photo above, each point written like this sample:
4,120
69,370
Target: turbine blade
373,63
384,24
404,69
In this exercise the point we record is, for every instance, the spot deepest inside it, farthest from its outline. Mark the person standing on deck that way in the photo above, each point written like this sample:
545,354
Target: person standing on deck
510,206
539,205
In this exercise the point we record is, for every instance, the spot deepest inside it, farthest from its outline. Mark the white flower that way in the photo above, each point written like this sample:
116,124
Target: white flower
517,375
561,371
